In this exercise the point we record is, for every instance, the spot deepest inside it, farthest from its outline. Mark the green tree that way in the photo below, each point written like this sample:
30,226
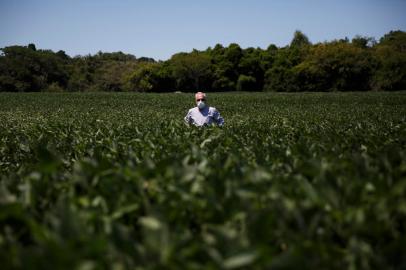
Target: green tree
226,66
81,75
246,83
339,65
363,42
32,47
335,66
192,70
151,77
25,69
396,40
111,76
279,78
299,40
141,80
251,64
390,55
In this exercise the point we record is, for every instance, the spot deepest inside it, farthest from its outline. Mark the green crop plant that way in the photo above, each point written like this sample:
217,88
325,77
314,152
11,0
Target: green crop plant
118,181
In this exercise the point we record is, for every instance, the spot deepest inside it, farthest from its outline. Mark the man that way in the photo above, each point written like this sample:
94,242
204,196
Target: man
202,114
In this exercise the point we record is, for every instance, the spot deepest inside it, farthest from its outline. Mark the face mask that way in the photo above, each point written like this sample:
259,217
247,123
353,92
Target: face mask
201,104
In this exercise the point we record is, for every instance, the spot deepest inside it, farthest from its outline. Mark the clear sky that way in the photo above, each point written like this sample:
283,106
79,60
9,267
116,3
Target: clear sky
159,29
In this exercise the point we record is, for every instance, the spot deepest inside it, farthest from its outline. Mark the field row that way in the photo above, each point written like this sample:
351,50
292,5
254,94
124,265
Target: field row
101,180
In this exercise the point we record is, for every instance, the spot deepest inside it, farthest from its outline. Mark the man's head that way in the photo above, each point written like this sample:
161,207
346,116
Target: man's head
200,99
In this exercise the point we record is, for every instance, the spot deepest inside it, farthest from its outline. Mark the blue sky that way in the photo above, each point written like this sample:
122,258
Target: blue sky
159,28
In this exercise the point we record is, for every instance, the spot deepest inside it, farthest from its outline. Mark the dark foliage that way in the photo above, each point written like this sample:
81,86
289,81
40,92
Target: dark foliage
361,64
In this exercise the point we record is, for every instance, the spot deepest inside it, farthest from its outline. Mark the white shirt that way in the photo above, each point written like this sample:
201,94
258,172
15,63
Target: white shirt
206,116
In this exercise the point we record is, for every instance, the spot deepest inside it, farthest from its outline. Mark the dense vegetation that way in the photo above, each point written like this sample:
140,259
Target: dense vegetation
339,65
118,181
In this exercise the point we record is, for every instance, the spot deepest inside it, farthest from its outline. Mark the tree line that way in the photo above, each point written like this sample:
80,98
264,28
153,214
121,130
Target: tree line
360,64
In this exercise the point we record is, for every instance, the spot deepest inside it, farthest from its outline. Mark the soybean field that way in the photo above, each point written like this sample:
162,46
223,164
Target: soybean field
119,181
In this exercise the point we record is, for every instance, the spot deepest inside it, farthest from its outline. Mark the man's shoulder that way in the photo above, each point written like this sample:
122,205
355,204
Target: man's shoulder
192,110
212,109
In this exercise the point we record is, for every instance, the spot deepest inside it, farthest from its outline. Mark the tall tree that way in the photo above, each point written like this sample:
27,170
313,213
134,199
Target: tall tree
335,66
299,40
390,54
191,70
